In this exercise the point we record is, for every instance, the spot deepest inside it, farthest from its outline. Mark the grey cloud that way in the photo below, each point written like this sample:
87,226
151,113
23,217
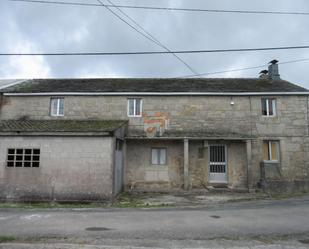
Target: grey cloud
52,28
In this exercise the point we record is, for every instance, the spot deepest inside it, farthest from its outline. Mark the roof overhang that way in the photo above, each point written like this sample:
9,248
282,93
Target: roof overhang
191,138
11,83
57,134
157,94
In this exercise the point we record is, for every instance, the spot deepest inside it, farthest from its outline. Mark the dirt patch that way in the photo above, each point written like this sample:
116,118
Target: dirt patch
304,241
215,216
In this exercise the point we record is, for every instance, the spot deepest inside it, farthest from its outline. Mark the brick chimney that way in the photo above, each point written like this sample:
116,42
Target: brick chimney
273,70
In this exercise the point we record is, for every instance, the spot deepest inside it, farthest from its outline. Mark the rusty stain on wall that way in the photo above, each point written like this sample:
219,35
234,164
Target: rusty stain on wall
156,124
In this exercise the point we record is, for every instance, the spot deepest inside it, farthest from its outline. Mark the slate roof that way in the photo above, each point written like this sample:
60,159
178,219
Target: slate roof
6,82
167,85
60,125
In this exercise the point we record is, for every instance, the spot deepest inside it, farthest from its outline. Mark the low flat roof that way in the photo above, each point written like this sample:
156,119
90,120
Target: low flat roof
193,135
60,126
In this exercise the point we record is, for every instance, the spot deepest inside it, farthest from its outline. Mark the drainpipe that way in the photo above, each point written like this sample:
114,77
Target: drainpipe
249,164
186,163
1,102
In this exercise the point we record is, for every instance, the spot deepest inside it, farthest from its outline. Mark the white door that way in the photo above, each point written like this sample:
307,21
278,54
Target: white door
217,164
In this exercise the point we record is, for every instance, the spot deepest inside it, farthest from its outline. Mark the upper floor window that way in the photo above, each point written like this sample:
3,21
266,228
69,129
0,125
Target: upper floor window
57,107
134,107
271,151
268,107
158,156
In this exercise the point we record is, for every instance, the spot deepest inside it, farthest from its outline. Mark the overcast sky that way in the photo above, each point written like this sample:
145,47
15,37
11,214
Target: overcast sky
28,27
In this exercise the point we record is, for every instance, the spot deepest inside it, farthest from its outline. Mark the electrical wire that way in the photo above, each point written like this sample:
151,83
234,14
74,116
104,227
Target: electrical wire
158,52
241,69
154,38
168,8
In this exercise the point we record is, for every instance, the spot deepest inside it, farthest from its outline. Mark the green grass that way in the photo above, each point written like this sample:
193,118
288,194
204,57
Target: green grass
5,239
281,196
44,205
124,200
127,200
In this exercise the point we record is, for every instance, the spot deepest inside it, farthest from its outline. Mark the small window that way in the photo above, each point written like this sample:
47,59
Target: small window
268,107
23,158
134,107
57,107
271,151
158,156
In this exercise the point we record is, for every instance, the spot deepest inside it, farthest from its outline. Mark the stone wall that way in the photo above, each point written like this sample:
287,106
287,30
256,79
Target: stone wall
71,168
141,174
176,113
193,114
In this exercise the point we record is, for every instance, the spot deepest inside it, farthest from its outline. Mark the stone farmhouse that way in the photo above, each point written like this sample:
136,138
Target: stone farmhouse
88,139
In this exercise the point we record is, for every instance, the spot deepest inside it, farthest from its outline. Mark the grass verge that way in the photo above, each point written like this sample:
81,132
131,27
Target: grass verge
124,200
5,239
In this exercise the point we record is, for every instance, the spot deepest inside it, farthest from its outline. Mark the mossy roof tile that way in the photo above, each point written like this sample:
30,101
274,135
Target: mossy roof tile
167,85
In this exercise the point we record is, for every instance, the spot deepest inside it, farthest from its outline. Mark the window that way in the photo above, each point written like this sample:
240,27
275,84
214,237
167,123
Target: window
23,158
271,151
269,107
57,107
134,107
158,156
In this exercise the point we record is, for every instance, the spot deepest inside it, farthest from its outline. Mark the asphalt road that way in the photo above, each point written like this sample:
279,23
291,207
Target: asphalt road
286,220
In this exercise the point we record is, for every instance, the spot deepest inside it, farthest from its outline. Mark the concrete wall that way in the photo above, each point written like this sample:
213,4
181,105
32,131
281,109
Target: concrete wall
71,168
211,114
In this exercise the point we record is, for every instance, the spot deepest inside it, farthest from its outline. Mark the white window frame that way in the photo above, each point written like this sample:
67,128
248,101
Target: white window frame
134,107
274,105
270,151
159,156
57,113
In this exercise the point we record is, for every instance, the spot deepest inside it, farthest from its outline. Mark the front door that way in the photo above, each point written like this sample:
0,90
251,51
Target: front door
217,164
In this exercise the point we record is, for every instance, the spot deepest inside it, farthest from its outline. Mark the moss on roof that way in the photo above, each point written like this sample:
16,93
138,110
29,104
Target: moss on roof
60,125
167,85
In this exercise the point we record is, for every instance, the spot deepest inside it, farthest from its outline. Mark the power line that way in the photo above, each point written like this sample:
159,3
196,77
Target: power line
153,38
147,36
157,52
123,20
224,71
241,69
168,8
